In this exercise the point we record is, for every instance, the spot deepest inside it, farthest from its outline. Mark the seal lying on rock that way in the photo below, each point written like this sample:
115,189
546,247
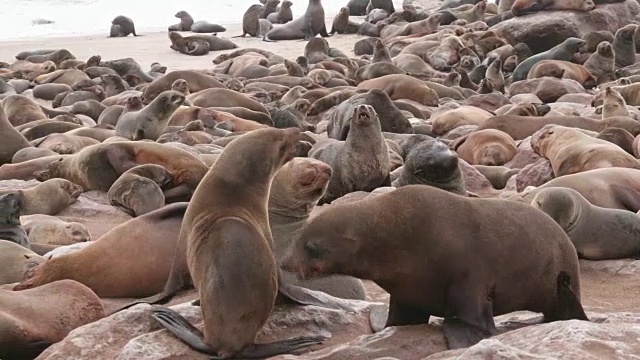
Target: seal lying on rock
467,272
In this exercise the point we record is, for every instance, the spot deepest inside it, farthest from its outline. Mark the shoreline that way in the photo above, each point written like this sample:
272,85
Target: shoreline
153,46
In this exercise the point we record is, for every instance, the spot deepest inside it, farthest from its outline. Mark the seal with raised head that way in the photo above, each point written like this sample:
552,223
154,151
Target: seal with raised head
11,140
186,21
284,15
124,25
150,122
361,162
252,24
432,163
624,46
602,63
342,24
221,232
498,248
295,191
597,233
523,7
305,27
139,190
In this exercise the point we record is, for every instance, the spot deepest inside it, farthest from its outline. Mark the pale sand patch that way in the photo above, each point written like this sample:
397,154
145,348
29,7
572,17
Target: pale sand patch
154,47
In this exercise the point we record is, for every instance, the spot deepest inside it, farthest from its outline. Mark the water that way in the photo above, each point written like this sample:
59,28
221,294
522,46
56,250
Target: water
76,17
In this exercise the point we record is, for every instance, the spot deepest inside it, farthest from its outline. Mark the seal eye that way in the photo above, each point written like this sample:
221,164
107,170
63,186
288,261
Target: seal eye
312,250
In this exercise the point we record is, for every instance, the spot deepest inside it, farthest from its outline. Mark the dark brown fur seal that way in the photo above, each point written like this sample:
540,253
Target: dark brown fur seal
361,162
125,26
305,27
222,227
469,293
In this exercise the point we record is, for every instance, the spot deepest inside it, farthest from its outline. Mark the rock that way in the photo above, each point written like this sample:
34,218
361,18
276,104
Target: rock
523,158
546,29
535,174
134,334
423,5
474,181
94,211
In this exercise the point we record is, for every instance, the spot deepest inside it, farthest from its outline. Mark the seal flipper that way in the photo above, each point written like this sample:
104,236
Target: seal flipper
302,296
473,315
185,331
459,334
323,32
568,306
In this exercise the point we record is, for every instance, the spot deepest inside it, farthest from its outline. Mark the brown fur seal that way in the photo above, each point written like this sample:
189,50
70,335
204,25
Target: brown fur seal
563,51
225,98
620,137
400,86
10,227
64,143
523,7
565,70
284,15
15,260
614,104
223,227
197,81
57,57
571,151
497,175
469,293
431,162
602,63
98,167
305,27
20,110
613,188
588,226
486,147
361,162
46,229
150,122
139,190
624,46
189,45
295,191
186,21
47,198
342,24
11,140
34,319
124,25
153,233
251,21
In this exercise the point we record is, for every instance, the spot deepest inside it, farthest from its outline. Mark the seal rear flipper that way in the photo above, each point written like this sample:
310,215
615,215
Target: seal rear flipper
323,32
179,326
568,306
459,334
263,351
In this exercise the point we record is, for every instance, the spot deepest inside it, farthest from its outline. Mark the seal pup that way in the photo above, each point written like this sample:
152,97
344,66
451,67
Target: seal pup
139,190
150,122
10,228
284,15
428,282
361,162
597,233
342,24
125,26
602,63
296,189
221,232
46,229
305,27
432,163
186,21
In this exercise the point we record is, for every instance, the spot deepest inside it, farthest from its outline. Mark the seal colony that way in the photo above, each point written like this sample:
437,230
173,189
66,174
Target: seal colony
480,167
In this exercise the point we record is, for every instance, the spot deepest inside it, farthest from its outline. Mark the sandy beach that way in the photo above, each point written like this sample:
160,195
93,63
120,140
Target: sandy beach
154,47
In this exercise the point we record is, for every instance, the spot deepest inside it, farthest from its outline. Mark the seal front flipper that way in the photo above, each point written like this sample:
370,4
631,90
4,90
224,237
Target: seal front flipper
461,335
179,326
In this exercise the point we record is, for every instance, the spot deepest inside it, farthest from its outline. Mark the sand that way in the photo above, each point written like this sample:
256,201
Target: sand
154,47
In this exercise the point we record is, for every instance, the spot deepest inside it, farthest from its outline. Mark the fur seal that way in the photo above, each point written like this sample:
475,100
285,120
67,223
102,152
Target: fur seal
47,198
46,229
189,45
342,24
361,162
197,81
400,86
150,122
34,319
296,189
624,47
602,63
614,104
220,219
564,70
10,227
563,51
99,166
486,147
432,163
523,7
252,24
15,260
305,27
125,26
11,140
153,233
284,15
571,151
138,190
588,226
497,175
186,21
467,297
